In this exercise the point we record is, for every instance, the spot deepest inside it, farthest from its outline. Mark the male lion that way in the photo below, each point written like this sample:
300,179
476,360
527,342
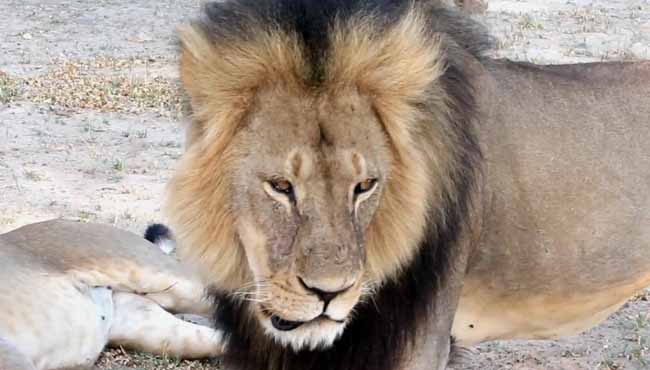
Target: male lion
69,288
356,170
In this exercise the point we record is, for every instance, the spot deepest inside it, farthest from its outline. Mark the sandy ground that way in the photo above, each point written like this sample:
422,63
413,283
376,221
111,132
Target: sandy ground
90,129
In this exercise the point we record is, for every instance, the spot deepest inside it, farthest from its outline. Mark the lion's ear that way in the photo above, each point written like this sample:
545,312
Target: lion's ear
221,72
216,94
398,66
196,54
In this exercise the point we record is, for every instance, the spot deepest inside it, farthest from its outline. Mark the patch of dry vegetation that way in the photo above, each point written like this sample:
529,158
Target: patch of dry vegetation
119,359
9,88
643,295
103,84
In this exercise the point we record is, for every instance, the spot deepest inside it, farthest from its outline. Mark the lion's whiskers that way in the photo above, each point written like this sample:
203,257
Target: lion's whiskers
256,291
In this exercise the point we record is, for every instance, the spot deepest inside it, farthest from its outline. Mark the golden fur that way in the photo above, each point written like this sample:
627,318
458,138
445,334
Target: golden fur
222,81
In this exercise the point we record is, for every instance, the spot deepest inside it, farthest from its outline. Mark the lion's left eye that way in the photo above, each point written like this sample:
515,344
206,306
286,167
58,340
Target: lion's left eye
364,186
282,186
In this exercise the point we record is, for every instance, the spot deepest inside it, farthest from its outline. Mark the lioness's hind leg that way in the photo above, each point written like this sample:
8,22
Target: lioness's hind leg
12,359
139,323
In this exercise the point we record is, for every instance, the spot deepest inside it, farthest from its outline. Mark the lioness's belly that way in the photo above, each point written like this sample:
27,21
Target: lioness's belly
53,321
486,313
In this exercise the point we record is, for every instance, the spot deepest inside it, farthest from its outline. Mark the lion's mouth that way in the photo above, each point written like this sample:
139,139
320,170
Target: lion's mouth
284,325
287,325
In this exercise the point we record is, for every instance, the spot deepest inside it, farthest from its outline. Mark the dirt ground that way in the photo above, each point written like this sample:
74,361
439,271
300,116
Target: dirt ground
90,129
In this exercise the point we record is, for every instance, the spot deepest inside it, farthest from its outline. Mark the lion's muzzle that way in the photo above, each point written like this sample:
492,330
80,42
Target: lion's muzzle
326,297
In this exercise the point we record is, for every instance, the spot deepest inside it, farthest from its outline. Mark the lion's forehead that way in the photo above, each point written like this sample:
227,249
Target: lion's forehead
324,131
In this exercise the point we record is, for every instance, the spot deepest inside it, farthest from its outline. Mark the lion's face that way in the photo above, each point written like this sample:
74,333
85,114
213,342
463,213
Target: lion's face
308,181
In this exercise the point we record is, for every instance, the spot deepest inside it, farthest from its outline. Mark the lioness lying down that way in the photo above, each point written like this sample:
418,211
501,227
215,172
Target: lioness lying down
68,289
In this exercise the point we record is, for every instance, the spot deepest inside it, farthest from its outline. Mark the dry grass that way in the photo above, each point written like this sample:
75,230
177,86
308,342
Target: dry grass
119,359
103,84
528,22
643,295
76,86
9,88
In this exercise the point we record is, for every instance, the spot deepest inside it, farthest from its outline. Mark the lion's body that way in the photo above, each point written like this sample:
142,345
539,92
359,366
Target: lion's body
69,289
515,193
565,239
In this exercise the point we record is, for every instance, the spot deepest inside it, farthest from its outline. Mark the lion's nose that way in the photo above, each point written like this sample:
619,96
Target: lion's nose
324,295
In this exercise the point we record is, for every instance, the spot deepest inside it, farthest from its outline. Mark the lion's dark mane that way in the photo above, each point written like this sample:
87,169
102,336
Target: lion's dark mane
383,328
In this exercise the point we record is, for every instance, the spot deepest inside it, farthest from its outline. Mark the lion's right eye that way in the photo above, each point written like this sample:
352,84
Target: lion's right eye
364,186
283,187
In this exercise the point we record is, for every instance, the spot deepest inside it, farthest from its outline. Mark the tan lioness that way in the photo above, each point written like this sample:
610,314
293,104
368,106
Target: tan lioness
68,289
362,184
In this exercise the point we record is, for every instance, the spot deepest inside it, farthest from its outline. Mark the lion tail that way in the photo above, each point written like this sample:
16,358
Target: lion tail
161,236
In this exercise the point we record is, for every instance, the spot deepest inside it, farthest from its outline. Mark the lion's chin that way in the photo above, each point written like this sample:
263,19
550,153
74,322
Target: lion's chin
319,333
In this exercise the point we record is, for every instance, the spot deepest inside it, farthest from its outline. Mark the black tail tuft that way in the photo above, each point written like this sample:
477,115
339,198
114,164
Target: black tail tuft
157,232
